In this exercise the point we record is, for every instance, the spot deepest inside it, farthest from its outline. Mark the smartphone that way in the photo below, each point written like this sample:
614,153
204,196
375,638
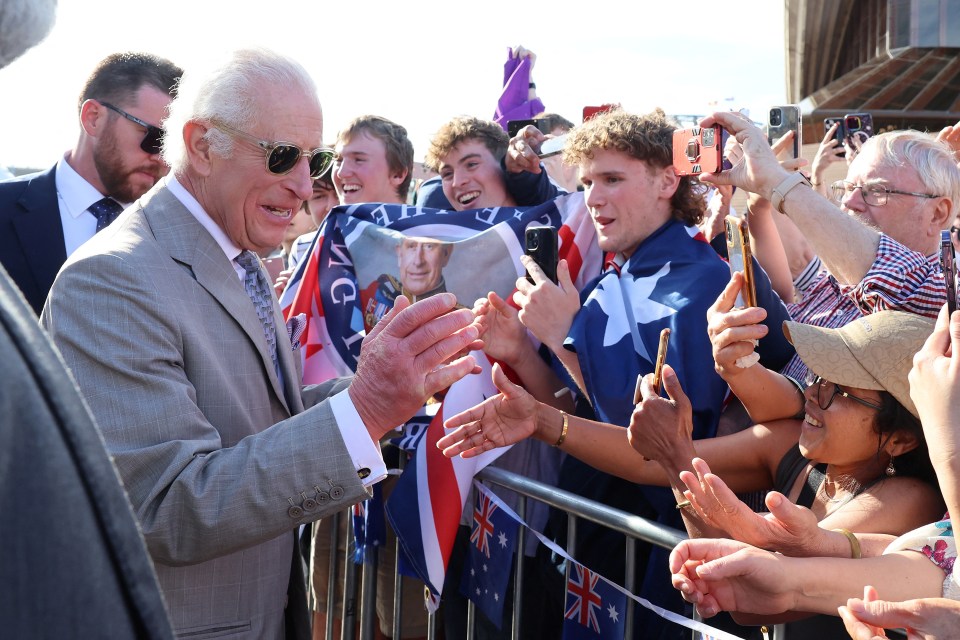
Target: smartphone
698,150
839,134
657,367
661,358
541,245
552,146
858,129
273,266
949,268
589,112
514,126
782,119
740,257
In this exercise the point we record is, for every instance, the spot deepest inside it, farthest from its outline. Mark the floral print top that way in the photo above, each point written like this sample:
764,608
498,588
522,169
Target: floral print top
937,542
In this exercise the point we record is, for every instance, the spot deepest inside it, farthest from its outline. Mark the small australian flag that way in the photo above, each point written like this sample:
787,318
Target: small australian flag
489,560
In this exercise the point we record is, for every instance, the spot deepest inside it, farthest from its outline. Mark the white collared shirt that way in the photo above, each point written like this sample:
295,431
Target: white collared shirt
74,197
364,452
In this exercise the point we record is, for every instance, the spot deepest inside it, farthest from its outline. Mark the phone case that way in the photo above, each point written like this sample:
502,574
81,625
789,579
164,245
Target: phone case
782,119
514,126
589,112
541,245
859,128
949,268
740,258
697,150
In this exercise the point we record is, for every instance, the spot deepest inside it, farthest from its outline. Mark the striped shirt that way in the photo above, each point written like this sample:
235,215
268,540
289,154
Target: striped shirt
898,279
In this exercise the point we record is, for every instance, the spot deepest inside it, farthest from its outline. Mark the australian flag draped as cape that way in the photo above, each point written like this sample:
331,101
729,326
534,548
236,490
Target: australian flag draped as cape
349,278
669,281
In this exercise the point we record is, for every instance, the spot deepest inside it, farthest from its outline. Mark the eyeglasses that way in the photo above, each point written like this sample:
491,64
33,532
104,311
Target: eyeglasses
152,139
954,230
282,157
873,194
822,385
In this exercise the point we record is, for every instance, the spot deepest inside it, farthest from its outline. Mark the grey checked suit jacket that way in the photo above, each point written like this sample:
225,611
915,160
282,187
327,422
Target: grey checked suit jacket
220,461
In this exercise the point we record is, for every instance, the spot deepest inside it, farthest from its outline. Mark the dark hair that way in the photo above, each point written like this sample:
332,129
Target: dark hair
892,418
119,76
463,128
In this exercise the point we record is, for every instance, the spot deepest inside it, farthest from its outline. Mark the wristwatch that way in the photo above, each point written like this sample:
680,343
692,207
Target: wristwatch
781,190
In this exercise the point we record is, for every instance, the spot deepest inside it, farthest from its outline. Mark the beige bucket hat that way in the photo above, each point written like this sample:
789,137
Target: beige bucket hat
872,352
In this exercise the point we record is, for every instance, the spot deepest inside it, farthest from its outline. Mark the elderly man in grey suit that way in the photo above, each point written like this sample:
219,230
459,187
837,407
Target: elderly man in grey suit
196,385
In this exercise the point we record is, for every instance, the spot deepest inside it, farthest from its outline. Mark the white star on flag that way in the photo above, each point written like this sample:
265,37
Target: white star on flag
644,309
503,539
613,613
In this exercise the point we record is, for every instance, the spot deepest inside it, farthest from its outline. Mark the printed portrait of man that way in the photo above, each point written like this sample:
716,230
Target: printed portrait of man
421,262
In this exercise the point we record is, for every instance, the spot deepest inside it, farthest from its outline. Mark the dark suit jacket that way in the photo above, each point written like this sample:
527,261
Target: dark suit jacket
72,561
32,248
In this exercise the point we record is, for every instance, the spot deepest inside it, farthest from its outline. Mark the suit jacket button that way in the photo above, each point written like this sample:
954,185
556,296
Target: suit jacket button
364,473
309,505
336,492
295,512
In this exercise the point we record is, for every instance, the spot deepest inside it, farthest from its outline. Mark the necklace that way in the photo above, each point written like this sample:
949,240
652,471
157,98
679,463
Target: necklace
831,499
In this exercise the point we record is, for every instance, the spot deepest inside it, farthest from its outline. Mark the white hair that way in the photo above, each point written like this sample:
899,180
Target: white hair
227,93
23,24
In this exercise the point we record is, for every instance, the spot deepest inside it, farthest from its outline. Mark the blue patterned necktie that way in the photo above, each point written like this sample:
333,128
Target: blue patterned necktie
105,211
259,291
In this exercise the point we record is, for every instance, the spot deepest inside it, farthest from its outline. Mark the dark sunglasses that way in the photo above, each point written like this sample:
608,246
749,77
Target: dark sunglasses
282,157
152,139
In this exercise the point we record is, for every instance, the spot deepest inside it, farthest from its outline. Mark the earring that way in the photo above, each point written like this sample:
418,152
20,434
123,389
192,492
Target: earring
891,470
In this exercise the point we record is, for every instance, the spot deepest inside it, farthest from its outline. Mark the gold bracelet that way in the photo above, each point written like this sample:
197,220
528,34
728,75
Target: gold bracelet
563,432
854,543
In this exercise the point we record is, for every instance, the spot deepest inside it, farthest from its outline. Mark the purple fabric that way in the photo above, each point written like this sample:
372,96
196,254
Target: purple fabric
513,103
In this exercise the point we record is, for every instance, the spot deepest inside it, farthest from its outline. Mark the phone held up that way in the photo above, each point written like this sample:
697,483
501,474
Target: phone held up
698,150
740,257
657,367
781,120
949,267
541,245
589,112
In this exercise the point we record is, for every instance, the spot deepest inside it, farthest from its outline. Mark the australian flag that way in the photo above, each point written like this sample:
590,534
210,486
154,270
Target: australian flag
594,607
489,561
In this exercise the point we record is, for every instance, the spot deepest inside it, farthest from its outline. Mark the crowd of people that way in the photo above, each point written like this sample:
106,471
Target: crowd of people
143,253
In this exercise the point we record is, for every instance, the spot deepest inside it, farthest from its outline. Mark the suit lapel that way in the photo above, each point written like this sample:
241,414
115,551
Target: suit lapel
40,231
179,232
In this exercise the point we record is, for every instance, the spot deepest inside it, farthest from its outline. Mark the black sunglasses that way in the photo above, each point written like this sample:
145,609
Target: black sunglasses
152,139
282,157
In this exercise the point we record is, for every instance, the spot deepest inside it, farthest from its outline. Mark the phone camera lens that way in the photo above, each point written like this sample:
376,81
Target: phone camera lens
776,117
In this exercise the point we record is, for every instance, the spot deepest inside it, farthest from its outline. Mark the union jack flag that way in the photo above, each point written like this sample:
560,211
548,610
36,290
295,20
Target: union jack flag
583,598
595,608
482,524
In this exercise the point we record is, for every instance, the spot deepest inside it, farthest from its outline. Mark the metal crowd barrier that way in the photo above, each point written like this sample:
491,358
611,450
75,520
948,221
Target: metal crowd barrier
633,527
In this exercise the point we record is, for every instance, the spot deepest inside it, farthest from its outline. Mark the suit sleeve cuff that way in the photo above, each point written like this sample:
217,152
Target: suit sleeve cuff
365,453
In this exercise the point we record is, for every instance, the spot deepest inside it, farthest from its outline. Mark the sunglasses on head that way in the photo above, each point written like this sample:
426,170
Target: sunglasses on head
282,157
152,139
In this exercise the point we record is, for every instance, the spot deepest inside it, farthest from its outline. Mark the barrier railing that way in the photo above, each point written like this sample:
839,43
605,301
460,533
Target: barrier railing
633,527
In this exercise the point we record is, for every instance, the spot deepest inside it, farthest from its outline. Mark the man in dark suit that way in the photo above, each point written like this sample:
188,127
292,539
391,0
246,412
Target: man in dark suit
172,331
45,216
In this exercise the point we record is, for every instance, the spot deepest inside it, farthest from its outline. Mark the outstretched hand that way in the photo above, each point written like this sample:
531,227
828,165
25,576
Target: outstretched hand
502,420
923,619
659,427
411,354
788,528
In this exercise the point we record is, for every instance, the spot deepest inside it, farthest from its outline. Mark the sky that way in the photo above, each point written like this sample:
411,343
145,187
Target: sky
419,62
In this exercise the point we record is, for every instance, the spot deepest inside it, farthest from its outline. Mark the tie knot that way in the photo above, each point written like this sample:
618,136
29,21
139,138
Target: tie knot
249,261
105,211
